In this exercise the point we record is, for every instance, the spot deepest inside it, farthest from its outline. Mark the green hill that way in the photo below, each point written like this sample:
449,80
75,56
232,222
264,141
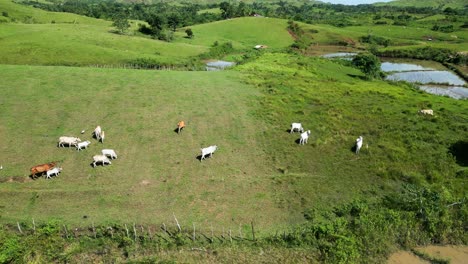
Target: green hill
245,32
30,15
427,3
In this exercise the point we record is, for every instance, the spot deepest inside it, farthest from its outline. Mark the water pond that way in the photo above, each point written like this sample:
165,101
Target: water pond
431,77
218,65
427,77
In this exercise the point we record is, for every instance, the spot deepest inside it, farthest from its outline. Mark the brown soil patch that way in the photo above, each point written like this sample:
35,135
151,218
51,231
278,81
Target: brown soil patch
404,257
456,254
15,179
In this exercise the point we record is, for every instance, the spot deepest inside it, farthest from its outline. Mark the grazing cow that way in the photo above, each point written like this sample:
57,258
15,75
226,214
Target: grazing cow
359,144
53,172
97,132
102,159
42,168
297,126
180,126
109,153
82,145
209,150
304,137
70,141
426,111
103,135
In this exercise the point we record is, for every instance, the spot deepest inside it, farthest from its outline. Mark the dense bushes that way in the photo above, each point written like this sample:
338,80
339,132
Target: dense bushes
427,53
371,39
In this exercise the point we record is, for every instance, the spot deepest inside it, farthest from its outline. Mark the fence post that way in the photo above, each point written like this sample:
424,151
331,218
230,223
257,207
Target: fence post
19,227
66,231
94,230
240,231
34,226
253,230
177,222
126,229
134,233
193,238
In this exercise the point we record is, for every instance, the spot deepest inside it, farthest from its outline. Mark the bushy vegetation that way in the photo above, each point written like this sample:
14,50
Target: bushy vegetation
427,53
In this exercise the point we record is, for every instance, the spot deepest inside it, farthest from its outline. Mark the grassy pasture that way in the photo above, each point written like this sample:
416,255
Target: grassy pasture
259,172
157,172
332,101
245,32
27,14
79,44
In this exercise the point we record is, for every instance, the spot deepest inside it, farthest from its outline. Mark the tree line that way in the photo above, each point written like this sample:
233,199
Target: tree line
164,18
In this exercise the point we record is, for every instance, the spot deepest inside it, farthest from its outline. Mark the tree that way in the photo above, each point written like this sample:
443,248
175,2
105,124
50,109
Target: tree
157,23
189,32
369,64
121,23
227,10
173,20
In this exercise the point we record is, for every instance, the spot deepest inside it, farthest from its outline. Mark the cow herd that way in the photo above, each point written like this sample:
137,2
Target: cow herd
51,169
106,155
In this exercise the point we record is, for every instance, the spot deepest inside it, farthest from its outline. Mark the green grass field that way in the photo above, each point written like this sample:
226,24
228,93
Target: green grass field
70,44
329,203
259,171
157,172
245,32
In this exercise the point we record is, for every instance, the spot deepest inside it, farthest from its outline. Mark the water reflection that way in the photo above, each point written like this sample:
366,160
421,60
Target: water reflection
426,77
455,92
218,65
401,67
340,55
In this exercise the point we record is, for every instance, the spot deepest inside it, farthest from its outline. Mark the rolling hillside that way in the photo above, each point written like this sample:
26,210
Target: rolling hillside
245,32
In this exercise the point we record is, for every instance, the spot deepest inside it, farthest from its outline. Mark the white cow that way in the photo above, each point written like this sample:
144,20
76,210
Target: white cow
82,145
297,126
426,111
53,172
359,144
304,137
109,153
103,135
101,159
97,132
69,141
209,150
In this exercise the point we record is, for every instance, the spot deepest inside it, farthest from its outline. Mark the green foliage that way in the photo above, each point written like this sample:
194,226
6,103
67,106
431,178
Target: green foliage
121,23
369,64
189,33
218,50
10,248
372,39
442,55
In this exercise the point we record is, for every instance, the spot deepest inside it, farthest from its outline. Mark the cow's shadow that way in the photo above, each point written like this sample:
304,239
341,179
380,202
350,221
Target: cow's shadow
298,141
177,130
199,157
353,148
36,176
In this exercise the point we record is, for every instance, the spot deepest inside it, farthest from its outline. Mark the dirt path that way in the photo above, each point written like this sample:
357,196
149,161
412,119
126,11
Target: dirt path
455,254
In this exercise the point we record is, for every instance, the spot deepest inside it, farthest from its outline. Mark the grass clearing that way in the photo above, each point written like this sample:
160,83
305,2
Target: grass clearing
68,44
157,172
245,32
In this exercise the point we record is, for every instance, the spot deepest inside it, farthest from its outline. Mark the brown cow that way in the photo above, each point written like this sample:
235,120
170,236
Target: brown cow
180,125
42,168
